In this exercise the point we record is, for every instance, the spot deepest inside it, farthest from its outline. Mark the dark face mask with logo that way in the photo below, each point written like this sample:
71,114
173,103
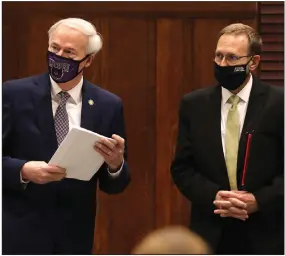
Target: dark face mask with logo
63,69
231,77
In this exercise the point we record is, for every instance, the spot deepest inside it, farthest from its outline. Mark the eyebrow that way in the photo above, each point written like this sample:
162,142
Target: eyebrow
68,48
228,53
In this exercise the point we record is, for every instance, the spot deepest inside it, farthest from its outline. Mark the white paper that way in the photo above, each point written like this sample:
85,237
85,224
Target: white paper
77,155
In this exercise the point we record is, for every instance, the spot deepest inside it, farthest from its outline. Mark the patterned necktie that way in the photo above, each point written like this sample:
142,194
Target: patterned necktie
232,141
61,118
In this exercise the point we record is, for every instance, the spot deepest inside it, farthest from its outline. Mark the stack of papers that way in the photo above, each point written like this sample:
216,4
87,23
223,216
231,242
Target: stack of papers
77,154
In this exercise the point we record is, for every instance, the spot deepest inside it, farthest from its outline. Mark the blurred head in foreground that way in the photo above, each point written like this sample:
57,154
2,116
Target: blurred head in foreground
172,240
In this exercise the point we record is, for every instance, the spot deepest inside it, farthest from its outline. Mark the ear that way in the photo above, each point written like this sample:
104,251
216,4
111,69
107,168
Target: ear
254,62
89,60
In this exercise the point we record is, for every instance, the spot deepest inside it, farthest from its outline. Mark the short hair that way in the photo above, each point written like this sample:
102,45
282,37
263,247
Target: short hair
95,41
172,240
254,39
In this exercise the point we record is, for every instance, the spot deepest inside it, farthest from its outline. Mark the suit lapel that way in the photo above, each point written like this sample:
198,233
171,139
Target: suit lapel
44,115
253,114
255,105
89,113
214,118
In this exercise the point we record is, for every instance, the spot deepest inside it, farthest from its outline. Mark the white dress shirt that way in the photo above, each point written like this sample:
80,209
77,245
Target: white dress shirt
241,107
73,104
73,107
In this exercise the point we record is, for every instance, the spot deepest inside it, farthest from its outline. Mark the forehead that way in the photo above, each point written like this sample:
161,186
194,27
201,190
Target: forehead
235,44
69,38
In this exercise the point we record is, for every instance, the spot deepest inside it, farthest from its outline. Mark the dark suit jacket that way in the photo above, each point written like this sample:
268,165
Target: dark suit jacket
58,216
199,168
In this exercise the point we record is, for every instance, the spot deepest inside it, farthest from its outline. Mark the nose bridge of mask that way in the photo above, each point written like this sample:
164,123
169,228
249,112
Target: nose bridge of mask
233,69
61,58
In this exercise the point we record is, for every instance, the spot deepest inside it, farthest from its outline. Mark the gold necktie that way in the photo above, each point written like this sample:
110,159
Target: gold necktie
232,141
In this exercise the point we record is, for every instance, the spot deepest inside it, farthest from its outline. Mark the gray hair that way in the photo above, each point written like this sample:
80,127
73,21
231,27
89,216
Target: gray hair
95,40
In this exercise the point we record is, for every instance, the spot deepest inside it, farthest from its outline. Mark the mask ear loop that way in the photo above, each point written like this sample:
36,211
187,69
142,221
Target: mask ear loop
251,57
80,61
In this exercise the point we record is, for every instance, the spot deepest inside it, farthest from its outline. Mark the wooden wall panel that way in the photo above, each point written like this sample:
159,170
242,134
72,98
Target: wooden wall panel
271,27
205,31
11,50
129,72
153,53
35,39
170,79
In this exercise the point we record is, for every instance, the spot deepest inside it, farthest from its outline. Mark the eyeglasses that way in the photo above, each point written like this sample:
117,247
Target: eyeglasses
230,58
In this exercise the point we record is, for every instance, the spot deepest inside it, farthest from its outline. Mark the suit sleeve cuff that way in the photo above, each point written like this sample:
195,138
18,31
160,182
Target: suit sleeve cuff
23,181
117,173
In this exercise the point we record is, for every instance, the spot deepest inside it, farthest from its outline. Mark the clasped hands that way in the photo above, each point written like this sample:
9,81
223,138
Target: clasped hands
235,204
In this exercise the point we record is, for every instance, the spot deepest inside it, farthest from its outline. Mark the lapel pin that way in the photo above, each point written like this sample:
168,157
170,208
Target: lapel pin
90,102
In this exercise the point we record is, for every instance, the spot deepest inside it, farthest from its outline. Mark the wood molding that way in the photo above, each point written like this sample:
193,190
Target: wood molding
191,9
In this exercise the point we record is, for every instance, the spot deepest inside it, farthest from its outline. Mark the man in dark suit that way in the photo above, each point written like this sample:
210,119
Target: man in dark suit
230,152
44,213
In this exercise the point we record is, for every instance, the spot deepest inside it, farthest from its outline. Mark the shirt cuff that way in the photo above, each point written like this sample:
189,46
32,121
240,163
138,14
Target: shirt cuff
117,173
22,181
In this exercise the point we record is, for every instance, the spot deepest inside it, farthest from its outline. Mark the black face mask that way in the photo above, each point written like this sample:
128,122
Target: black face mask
231,77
